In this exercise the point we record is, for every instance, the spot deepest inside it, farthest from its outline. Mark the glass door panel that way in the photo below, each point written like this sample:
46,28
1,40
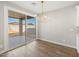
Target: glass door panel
30,30
16,29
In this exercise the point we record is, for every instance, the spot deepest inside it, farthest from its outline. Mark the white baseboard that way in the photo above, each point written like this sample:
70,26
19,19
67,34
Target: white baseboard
59,43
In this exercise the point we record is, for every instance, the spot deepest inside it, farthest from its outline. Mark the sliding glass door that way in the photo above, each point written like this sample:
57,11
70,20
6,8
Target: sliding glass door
30,29
21,29
16,32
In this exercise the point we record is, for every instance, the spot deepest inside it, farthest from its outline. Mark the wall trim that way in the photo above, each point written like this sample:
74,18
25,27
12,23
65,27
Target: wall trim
58,43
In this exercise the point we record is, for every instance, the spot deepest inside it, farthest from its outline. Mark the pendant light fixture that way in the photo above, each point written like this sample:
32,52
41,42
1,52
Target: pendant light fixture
42,7
43,17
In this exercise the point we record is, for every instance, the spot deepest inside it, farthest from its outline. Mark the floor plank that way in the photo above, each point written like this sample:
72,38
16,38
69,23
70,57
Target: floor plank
41,48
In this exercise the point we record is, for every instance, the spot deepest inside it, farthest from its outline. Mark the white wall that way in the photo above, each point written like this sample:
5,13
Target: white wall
59,27
9,4
1,26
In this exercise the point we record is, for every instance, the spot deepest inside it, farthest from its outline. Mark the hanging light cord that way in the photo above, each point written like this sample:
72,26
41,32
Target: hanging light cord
42,7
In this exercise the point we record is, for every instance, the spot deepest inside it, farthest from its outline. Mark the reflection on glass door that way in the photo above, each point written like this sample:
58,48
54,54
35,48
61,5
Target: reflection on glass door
30,29
20,29
16,29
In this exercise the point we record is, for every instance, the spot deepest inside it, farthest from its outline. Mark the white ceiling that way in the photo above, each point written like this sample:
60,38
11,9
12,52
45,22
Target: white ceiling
48,5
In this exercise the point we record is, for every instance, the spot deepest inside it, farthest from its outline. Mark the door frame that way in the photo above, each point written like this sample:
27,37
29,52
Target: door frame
77,28
6,40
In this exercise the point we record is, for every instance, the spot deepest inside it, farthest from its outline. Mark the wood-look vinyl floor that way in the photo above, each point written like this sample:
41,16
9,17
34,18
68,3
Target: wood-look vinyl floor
41,48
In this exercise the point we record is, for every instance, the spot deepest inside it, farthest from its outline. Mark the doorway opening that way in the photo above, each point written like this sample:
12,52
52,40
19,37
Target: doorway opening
21,29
